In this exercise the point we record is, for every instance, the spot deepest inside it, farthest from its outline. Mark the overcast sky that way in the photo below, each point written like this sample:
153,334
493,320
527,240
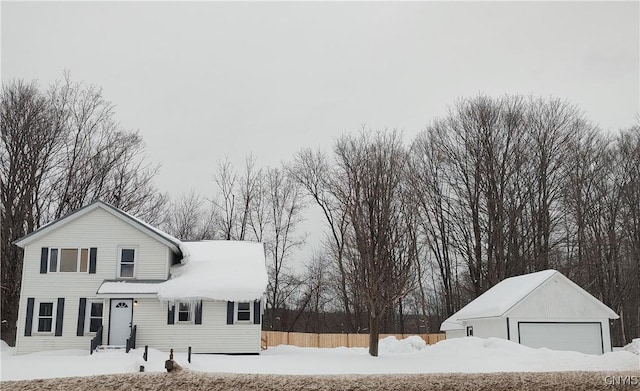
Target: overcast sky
204,80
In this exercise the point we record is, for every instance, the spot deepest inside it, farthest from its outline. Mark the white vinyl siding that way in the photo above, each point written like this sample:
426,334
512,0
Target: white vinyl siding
214,335
98,228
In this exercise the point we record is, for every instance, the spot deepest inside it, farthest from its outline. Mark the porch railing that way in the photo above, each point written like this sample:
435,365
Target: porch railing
97,340
131,341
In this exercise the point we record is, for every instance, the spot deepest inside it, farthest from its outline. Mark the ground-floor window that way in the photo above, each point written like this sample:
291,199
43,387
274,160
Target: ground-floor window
45,317
243,312
185,312
94,315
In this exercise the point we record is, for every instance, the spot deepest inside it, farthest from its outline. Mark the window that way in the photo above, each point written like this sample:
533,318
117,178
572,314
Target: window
94,315
243,312
185,312
127,263
66,260
45,317
469,331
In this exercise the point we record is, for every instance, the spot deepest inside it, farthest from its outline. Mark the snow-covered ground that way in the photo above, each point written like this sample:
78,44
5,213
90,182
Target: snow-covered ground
410,355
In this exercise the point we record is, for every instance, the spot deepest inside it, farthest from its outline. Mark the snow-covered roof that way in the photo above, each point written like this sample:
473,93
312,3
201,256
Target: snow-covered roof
218,269
214,269
499,299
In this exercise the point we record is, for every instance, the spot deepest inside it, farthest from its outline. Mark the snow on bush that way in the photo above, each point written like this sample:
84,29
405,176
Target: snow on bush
408,345
634,346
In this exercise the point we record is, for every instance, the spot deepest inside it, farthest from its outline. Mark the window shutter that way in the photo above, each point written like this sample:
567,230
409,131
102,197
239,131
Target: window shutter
81,309
198,319
230,308
29,320
59,316
256,312
171,313
93,253
44,260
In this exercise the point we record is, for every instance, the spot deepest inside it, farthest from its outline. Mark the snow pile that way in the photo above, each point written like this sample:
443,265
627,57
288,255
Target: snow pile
6,350
219,270
634,346
391,345
408,356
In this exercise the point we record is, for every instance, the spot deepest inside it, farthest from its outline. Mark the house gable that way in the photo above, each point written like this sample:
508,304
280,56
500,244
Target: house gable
97,228
560,298
162,237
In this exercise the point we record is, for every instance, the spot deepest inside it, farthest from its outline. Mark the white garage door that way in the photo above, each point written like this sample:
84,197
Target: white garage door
579,337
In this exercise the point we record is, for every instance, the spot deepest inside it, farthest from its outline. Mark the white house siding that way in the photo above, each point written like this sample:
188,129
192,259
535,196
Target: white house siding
106,232
214,335
488,327
455,333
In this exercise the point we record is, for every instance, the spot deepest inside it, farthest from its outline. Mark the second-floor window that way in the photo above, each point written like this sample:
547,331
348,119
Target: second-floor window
68,260
127,264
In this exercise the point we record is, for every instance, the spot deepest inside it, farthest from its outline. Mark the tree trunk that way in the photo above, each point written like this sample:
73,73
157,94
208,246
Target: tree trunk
373,334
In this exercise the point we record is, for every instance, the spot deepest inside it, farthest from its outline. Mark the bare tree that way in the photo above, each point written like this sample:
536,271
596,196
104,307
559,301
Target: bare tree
62,149
191,218
284,205
235,214
371,173
313,171
29,138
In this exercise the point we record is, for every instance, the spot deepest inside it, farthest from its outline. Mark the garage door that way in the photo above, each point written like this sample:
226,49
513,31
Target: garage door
579,337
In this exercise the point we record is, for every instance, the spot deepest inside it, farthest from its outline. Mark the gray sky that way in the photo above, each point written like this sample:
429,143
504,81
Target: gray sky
204,80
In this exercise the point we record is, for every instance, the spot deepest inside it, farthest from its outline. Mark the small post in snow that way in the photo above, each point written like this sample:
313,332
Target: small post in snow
189,356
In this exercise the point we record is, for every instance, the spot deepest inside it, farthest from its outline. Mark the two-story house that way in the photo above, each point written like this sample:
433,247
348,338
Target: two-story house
102,272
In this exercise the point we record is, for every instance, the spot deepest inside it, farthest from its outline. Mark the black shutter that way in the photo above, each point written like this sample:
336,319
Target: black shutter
230,308
81,309
44,260
93,252
28,323
59,316
171,313
199,312
256,312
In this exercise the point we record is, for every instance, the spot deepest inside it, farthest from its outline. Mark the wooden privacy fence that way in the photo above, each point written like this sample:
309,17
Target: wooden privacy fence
314,340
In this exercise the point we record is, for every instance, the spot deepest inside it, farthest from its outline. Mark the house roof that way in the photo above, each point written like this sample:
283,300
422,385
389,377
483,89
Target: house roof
498,300
163,237
215,269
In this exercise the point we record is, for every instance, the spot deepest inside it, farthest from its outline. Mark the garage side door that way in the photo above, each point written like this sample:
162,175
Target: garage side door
579,337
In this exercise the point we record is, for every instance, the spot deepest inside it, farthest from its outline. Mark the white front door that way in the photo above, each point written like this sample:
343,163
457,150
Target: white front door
120,321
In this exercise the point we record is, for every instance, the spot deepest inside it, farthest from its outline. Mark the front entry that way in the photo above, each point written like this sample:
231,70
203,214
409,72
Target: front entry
120,321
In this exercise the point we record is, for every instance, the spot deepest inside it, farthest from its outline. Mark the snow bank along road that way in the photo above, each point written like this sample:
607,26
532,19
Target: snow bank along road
457,364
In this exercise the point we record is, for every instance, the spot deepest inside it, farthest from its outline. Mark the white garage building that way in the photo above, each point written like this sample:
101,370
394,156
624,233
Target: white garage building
543,309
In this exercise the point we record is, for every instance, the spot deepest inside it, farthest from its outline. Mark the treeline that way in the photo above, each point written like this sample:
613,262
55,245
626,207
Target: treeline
413,229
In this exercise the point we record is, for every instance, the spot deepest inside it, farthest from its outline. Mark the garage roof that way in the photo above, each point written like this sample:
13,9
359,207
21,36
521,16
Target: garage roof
505,295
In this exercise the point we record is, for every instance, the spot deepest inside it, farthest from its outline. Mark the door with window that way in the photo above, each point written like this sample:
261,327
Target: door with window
120,321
